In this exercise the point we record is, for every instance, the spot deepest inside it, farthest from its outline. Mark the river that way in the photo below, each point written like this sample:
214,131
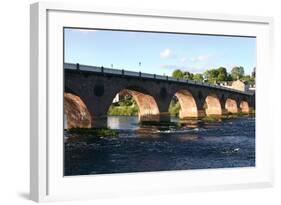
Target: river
197,145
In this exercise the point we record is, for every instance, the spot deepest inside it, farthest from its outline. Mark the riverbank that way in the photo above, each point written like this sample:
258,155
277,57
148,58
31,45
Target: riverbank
175,123
88,135
130,108
99,132
214,118
123,108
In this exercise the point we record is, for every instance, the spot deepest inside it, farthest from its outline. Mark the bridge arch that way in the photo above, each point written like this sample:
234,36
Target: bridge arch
244,106
212,105
76,113
148,108
188,107
231,105
97,90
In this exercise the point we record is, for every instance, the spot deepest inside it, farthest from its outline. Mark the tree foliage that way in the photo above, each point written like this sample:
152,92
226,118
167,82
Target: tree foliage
216,75
237,72
182,74
187,75
211,75
222,74
254,73
249,79
198,77
178,74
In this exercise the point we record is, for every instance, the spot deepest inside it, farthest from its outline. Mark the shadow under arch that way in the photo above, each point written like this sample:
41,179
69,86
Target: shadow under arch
231,105
244,106
76,114
188,107
147,107
212,105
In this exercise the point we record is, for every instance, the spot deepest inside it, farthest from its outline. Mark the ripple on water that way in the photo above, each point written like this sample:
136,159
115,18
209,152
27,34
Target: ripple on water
228,143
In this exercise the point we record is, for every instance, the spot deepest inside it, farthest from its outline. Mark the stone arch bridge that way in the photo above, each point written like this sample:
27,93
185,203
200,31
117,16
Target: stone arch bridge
97,86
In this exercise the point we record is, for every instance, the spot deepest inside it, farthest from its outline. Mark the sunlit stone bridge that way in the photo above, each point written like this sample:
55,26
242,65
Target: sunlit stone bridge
92,89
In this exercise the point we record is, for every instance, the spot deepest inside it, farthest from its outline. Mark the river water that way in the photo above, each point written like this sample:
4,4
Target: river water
195,145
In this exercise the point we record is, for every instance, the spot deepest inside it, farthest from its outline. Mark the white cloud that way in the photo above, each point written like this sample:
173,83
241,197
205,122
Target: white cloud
183,60
193,69
167,53
200,58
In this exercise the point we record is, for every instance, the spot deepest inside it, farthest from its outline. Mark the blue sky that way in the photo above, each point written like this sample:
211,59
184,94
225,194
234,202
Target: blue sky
159,53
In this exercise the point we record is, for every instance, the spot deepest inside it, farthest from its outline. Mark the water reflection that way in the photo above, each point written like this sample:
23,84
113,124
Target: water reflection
132,123
188,137
123,122
140,148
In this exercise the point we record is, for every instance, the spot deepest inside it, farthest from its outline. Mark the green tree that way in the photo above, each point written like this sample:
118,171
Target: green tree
229,77
188,75
254,73
198,77
237,72
248,79
174,107
212,75
222,74
178,74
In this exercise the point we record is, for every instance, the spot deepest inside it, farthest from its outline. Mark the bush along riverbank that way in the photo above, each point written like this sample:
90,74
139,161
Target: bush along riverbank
216,118
89,134
174,108
126,107
129,107
99,132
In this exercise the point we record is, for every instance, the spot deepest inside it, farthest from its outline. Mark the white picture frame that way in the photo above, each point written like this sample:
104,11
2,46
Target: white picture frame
47,182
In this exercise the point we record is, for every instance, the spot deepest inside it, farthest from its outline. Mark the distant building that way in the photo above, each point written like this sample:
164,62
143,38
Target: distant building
239,85
116,99
124,94
252,88
205,78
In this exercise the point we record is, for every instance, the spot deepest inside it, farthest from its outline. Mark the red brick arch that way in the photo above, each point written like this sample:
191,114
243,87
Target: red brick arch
244,106
213,105
231,106
187,103
75,112
148,109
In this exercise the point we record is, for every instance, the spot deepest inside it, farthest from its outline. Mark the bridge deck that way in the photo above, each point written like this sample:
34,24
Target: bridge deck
100,70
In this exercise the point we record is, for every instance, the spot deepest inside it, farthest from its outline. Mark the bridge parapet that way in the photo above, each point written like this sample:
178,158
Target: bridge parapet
123,72
152,93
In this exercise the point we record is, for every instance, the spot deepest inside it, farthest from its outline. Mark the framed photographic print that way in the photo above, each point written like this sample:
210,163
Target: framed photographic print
127,102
